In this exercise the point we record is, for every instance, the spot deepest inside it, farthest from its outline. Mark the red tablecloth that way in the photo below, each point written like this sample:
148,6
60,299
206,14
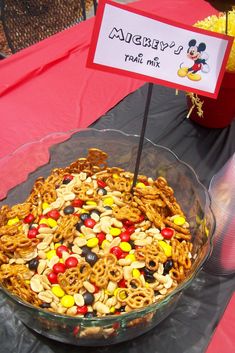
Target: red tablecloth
47,88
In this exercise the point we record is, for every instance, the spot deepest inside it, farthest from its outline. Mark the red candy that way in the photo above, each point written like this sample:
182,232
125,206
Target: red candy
115,250
77,203
52,277
128,223
167,233
124,254
54,214
122,283
130,230
68,177
82,309
125,236
29,219
89,222
101,183
60,250
71,262
32,233
101,236
59,268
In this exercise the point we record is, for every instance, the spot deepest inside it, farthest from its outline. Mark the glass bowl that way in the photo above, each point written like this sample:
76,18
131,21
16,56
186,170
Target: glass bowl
59,150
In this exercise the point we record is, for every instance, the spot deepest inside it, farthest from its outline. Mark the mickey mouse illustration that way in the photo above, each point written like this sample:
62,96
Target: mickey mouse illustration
198,55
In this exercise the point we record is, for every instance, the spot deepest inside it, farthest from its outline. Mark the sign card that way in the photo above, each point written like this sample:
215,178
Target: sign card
131,42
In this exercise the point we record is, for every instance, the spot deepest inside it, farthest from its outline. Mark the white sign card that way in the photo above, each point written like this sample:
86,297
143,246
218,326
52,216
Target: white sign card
134,43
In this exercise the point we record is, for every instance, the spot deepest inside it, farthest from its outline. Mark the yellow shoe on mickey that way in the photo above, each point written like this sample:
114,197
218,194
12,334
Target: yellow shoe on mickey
194,77
182,72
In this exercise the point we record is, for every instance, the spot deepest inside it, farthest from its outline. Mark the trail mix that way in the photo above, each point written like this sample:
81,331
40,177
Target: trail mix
84,244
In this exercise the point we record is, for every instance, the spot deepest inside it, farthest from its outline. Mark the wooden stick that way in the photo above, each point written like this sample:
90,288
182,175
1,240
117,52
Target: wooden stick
226,22
141,141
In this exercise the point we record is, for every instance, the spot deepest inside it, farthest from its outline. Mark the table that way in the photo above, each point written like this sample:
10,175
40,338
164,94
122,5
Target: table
190,327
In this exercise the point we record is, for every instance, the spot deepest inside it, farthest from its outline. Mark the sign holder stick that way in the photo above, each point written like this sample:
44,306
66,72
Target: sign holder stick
141,140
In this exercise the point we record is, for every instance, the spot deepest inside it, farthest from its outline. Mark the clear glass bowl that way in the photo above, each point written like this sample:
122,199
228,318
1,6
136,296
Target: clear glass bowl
34,160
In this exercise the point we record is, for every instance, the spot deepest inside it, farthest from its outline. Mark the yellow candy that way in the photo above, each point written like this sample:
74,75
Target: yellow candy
43,221
146,285
116,292
136,273
91,243
131,257
179,221
115,176
112,309
122,295
83,211
114,231
57,245
13,221
125,246
45,205
105,243
91,203
50,254
108,201
140,185
166,247
67,301
58,291
51,222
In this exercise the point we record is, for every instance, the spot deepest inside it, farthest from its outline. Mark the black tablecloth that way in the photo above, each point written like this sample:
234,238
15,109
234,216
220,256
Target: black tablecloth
190,327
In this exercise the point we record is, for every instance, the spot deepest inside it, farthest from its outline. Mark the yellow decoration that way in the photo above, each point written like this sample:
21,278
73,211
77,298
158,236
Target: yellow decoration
218,24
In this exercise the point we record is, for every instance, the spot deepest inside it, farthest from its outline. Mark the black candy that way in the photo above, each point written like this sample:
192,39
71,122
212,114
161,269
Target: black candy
91,258
84,216
88,298
69,210
33,264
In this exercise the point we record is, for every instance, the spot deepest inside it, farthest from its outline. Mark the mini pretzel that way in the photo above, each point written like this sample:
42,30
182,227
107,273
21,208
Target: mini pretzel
72,279
3,215
140,298
97,157
82,164
66,228
20,210
105,269
134,283
9,230
3,258
115,273
152,255
9,243
127,212
120,184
